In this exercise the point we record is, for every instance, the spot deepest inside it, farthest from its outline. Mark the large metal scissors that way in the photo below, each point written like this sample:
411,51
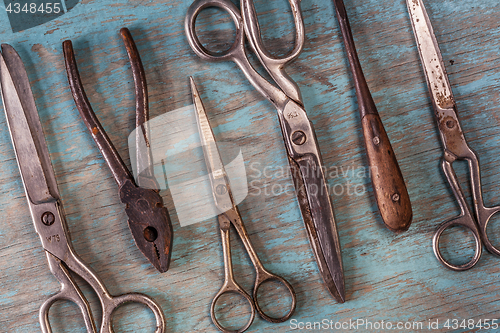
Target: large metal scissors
455,145
298,133
45,204
148,218
229,214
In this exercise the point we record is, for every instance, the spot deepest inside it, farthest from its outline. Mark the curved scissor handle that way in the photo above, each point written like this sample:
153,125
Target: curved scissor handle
464,221
231,287
485,214
109,303
275,66
465,218
69,291
235,53
265,276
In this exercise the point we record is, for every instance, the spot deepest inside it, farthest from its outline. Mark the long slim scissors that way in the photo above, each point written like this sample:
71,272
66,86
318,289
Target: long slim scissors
455,145
298,133
45,204
229,214
148,219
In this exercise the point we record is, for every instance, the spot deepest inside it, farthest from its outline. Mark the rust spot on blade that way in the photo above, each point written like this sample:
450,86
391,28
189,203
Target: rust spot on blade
95,130
444,101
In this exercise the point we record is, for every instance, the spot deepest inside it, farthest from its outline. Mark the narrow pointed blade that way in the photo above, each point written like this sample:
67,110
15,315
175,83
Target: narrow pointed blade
319,220
430,56
216,172
25,129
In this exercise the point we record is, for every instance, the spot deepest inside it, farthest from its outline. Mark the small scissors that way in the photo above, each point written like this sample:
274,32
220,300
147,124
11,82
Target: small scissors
455,145
229,214
45,204
298,133
148,219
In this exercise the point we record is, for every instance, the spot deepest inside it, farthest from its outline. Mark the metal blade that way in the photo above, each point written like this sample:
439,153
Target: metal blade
430,56
317,213
216,172
25,129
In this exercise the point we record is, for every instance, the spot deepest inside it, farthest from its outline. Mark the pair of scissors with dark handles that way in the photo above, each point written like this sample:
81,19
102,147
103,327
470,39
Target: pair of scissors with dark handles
298,133
455,145
229,214
45,204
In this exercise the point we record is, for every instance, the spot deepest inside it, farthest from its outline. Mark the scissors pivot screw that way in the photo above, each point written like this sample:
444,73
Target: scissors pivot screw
221,189
376,140
450,124
298,137
48,218
395,197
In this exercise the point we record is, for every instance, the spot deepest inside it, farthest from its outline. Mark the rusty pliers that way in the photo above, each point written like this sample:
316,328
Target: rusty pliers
148,219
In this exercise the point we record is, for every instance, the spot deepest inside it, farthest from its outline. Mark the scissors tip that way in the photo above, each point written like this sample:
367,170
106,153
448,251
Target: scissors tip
194,89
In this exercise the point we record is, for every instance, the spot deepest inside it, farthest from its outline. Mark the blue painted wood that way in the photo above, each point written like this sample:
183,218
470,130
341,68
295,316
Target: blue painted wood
389,277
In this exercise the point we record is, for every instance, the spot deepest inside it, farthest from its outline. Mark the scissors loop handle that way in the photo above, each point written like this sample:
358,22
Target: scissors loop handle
483,214
70,291
264,276
236,51
275,66
231,287
464,221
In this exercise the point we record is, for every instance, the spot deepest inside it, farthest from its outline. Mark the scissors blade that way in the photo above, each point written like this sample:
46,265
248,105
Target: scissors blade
430,56
437,81
26,130
216,172
317,213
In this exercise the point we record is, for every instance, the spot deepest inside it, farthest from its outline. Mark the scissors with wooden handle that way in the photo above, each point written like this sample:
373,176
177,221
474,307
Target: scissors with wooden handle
298,133
455,145
148,219
45,204
229,214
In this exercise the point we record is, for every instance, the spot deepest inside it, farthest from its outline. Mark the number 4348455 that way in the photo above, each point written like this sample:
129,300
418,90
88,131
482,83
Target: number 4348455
33,8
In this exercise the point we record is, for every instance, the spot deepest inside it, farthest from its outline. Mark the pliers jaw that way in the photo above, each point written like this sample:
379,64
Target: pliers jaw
146,220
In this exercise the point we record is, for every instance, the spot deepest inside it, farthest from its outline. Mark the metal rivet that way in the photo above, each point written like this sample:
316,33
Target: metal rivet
150,234
298,137
395,197
376,140
221,189
142,205
450,123
48,218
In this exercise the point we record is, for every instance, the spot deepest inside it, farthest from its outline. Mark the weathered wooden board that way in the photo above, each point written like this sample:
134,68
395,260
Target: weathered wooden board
389,277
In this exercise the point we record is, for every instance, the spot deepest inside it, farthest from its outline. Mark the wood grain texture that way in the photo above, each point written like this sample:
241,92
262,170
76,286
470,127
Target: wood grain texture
388,277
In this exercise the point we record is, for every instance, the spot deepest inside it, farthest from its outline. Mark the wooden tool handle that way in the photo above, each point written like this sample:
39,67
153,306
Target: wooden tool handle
387,181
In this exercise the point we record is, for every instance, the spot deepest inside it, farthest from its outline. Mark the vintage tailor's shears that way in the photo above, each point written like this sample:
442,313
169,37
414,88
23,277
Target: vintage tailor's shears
298,133
148,219
45,204
229,214
455,145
